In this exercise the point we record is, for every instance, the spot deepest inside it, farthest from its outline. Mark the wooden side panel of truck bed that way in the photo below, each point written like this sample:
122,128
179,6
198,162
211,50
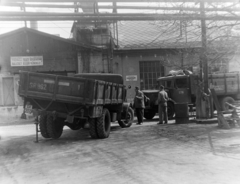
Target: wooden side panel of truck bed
73,90
225,83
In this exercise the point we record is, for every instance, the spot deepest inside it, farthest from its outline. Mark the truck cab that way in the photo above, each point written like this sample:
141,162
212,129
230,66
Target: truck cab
180,88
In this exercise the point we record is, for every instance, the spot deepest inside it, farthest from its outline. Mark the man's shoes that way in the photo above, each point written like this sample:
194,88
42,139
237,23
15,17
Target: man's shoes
165,123
159,123
138,123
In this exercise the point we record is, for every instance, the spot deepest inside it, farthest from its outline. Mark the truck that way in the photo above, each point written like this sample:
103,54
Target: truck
182,89
84,100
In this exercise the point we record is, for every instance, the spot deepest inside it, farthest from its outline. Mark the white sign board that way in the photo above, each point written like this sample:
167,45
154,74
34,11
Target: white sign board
27,61
131,77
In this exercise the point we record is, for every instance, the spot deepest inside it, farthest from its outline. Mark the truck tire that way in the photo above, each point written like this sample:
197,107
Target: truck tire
43,125
170,110
54,126
103,124
228,99
125,123
149,115
93,128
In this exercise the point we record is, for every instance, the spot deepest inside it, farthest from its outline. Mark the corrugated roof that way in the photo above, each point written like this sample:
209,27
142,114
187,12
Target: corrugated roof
157,34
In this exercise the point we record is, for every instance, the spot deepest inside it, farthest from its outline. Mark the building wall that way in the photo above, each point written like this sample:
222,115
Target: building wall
127,64
57,55
98,64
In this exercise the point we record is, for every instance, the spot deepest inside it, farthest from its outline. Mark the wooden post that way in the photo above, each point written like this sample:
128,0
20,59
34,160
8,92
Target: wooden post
222,123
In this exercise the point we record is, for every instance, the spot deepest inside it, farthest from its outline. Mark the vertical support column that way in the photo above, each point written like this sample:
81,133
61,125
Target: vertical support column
204,60
24,10
182,59
204,48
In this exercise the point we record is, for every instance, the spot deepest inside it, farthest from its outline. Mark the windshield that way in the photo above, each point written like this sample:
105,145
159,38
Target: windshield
181,83
166,83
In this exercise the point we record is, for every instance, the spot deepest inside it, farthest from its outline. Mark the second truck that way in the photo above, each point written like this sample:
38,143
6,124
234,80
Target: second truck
182,89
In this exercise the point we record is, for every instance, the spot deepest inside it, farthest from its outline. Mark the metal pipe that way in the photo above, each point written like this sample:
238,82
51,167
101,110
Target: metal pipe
127,1
109,17
118,7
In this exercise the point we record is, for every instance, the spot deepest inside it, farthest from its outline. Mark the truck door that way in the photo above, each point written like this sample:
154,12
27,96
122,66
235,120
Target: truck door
181,91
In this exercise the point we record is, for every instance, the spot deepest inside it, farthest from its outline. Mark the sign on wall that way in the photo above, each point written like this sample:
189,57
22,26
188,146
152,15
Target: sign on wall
27,61
131,77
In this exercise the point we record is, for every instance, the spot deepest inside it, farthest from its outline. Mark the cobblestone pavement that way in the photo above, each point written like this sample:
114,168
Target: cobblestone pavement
149,153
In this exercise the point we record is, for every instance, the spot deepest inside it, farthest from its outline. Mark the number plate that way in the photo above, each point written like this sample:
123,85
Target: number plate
28,109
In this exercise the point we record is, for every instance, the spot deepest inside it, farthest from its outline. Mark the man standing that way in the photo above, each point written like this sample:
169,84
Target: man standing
162,105
139,105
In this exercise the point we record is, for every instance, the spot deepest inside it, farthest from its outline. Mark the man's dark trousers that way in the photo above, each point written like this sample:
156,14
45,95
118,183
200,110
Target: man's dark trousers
162,109
139,113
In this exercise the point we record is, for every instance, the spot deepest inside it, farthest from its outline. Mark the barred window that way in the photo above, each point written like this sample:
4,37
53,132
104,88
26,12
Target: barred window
149,72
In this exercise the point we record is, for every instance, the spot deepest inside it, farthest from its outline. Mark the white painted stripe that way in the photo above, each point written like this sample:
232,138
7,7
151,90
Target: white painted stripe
49,81
63,83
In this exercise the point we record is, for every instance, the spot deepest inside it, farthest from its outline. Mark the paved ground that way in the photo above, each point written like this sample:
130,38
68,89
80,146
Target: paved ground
166,154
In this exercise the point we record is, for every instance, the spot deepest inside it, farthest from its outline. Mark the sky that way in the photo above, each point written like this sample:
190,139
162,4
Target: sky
61,28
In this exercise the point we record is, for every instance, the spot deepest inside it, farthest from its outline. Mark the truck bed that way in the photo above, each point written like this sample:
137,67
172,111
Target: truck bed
73,90
225,83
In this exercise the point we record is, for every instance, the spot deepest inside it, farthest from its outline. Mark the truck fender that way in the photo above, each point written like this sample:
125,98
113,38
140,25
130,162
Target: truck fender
171,101
125,107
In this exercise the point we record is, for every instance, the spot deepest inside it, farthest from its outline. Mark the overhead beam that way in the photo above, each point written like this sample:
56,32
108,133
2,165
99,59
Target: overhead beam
119,7
125,1
109,17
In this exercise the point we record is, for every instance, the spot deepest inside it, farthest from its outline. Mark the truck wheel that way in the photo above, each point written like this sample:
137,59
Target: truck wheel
43,125
104,124
125,123
149,115
93,128
54,126
170,109
228,99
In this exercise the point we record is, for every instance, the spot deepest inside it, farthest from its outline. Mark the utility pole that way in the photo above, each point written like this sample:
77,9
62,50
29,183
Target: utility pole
204,59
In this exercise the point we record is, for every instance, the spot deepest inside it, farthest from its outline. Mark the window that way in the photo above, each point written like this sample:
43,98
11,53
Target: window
149,72
168,84
182,83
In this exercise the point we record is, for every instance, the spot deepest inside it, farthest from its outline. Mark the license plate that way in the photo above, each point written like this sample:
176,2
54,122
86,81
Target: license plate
28,109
